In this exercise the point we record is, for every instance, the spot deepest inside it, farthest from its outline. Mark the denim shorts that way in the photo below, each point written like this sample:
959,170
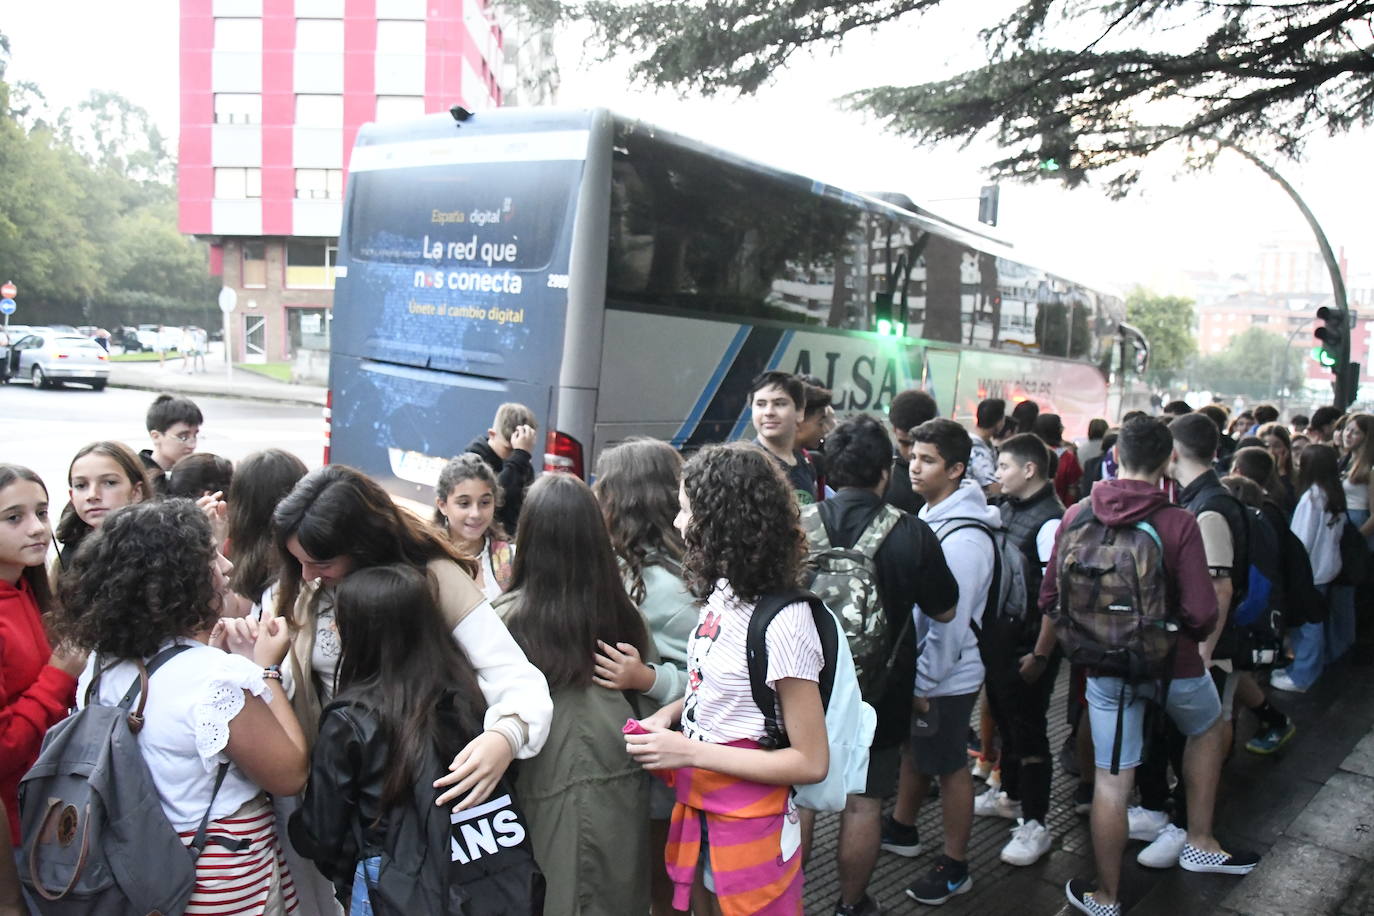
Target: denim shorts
1192,703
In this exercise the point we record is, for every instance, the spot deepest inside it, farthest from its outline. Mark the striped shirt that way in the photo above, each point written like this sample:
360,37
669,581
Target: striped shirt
719,706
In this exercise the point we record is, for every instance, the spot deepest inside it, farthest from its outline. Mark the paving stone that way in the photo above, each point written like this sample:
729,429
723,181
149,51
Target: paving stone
1340,817
1361,759
1296,879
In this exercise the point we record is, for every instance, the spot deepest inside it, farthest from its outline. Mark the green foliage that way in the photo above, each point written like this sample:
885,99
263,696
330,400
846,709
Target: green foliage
1167,322
1252,366
88,211
1089,85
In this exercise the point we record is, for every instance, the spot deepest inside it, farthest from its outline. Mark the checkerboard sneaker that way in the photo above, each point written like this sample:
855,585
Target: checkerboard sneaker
1081,898
1216,863
993,803
1029,841
1165,850
1145,824
947,879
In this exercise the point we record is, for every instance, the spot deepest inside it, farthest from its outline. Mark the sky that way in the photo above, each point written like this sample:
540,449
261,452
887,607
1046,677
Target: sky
1175,224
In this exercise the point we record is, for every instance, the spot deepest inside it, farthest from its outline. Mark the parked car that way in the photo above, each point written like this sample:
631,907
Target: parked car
127,340
166,340
47,358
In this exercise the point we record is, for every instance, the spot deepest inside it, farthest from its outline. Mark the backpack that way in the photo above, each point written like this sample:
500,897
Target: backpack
845,578
476,862
96,839
849,721
1008,600
1253,635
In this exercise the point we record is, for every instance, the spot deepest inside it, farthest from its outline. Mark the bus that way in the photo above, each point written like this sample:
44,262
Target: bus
621,281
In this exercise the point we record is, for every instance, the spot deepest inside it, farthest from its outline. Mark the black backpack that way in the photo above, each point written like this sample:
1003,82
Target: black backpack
1253,635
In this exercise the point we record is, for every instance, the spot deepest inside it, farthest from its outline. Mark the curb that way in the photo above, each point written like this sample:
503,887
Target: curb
301,401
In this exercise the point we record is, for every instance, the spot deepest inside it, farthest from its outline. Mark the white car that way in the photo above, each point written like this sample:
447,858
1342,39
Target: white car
49,358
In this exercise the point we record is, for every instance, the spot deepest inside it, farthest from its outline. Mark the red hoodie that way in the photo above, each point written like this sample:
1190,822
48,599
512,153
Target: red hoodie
33,694
1125,502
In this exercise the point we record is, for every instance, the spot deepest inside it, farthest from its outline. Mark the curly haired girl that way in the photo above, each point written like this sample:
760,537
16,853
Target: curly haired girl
744,541
466,498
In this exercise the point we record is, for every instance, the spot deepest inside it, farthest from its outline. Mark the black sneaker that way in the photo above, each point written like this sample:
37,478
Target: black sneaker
1080,896
1216,863
903,839
947,879
865,907
1068,756
1083,798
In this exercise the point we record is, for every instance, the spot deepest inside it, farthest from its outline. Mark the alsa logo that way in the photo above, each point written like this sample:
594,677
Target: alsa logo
866,383
485,830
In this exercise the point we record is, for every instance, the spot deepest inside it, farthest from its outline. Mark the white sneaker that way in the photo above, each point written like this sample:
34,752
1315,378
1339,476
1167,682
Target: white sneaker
993,803
1165,850
1280,680
1029,841
1146,824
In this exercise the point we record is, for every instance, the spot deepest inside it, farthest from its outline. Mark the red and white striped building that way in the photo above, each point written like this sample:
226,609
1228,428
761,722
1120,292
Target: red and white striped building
273,93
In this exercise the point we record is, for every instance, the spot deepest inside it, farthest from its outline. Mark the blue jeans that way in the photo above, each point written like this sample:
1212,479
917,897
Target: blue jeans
364,879
1309,645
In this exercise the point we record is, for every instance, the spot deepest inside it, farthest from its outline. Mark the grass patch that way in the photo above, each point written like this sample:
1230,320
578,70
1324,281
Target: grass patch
280,372
134,357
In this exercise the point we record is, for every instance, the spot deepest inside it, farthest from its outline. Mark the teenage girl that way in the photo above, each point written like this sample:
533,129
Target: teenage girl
1280,445
407,694
204,707
336,521
37,685
1317,522
466,499
263,480
102,477
636,485
588,805
744,541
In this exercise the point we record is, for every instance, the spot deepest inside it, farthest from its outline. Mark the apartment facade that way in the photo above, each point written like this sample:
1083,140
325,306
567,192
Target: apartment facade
273,93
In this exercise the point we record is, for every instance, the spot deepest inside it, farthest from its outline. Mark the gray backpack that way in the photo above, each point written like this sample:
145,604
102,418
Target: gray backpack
96,841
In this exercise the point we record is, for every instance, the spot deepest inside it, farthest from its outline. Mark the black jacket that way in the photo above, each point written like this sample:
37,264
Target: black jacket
911,570
515,475
155,472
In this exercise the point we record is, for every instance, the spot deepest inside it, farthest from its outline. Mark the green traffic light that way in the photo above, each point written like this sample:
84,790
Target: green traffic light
1049,165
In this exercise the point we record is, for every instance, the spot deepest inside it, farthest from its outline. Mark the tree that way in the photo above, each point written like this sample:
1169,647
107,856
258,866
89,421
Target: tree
1133,76
1255,364
1167,322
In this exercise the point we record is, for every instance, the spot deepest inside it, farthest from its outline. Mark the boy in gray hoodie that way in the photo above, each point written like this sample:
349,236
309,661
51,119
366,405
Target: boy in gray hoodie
949,671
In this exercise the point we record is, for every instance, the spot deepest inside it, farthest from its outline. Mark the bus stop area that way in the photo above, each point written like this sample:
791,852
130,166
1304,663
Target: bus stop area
1309,810
215,382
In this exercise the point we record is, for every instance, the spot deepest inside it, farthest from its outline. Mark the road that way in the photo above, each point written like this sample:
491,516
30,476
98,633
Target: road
45,428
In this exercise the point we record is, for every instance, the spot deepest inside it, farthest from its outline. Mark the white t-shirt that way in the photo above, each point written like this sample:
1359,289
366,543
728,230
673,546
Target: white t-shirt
490,587
720,706
191,700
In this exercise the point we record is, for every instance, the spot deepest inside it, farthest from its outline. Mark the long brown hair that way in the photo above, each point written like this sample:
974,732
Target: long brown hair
1279,432
70,528
262,480
1362,458
566,592
338,511
1320,468
36,576
636,485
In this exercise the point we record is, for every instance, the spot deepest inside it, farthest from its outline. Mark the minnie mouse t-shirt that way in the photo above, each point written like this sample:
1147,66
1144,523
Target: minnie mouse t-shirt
719,706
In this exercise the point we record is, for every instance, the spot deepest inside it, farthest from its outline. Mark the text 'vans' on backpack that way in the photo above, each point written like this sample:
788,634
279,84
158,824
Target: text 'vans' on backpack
96,840
849,721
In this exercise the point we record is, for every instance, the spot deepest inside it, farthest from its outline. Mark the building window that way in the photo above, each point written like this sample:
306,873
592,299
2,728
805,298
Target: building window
238,35
319,111
255,264
238,184
309,328
399,107
319,184
238,108
310,264
319,36
397,36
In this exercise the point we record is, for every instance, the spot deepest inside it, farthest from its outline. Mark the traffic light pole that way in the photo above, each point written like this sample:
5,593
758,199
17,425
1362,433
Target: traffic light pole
1345,386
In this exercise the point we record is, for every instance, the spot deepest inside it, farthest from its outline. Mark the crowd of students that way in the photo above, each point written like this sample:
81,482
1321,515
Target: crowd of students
549,689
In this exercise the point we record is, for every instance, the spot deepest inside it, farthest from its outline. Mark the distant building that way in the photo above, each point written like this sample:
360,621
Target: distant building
273,93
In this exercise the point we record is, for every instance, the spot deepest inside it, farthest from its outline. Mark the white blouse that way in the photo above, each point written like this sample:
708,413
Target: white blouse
191,700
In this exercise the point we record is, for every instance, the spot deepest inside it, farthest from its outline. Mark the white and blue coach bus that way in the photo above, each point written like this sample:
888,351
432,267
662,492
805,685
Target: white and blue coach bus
621,281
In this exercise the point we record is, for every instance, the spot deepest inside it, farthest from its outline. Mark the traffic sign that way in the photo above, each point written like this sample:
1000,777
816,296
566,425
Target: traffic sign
227,300
9,290
7,306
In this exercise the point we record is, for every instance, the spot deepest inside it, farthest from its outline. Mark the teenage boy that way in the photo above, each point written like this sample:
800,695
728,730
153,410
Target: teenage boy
174,426
1144,449
1020,681
777,401
982,464
1322,426
908,410
506,450
912,577
949,669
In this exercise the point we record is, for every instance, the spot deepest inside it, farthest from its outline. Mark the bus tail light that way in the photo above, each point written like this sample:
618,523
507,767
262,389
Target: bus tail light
563,454
328,420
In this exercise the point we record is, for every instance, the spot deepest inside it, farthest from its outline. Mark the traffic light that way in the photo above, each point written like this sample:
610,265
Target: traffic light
987,204
1334,348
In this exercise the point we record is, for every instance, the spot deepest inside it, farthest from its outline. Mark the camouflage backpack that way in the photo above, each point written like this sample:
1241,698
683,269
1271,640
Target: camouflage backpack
846,580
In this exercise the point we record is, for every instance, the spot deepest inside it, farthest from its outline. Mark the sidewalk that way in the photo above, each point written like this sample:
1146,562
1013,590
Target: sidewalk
215,382
1309,811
